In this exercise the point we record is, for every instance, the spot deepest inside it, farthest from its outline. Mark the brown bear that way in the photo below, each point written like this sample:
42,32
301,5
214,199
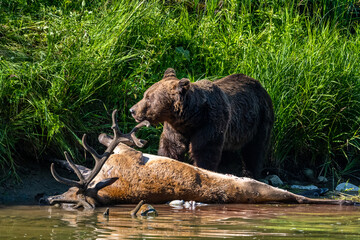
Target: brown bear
207,118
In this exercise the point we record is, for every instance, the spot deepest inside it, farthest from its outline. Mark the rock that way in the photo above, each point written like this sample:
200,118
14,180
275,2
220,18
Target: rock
188,204
347,187
176,203
322,179
264,181
274,180
309,187
309,173
314,193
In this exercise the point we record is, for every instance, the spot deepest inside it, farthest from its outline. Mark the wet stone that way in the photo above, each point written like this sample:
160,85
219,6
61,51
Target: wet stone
347,187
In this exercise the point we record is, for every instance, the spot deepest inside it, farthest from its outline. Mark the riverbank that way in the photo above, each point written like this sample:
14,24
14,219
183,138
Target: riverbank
36,182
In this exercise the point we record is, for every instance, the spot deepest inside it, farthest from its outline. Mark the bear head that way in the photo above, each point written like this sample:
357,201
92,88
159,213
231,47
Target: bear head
163,101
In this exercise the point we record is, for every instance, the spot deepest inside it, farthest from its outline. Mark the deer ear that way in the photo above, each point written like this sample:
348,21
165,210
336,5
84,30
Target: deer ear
170,72
105,183
183,86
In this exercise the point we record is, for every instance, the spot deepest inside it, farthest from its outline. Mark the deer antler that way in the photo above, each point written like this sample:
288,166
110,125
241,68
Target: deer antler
129,139
84,181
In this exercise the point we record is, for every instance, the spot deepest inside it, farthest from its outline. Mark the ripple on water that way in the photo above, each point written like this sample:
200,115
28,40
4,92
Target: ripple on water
232,221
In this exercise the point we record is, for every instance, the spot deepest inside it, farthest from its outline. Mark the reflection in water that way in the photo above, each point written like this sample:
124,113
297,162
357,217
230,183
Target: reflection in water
213,221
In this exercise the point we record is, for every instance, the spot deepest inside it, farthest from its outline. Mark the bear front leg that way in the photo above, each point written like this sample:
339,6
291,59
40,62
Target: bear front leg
206,153
172,143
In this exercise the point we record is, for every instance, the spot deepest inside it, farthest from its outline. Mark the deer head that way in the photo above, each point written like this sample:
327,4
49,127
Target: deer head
83,193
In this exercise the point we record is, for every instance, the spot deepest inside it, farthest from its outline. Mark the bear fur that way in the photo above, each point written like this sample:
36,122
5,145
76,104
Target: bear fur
208,118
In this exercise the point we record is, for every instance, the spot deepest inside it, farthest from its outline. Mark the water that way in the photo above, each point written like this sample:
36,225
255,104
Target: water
233,221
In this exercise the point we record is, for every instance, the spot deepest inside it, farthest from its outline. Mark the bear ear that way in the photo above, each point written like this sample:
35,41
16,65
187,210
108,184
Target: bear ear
170,72
183,85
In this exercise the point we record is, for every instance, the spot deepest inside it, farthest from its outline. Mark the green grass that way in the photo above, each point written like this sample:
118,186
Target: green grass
64,67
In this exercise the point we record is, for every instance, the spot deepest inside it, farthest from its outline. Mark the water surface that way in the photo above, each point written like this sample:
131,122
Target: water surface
231,221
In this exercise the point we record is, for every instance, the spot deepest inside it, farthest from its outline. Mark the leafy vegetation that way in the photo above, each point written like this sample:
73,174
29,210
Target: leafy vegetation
64,66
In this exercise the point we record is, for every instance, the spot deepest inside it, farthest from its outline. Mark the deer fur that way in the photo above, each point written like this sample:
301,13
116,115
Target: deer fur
157,179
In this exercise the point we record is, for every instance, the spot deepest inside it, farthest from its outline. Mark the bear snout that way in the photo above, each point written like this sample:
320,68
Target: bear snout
132,111
133,114
136,114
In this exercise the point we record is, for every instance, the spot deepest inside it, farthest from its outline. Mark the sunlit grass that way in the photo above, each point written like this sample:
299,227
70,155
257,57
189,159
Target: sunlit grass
64,67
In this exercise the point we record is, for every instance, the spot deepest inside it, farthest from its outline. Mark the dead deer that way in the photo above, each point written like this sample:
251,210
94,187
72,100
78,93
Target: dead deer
125,175
84,193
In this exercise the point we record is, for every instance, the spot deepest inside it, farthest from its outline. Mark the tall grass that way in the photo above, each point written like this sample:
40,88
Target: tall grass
65,66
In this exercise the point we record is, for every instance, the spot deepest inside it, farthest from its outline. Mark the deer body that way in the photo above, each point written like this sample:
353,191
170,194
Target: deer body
159,180
125,175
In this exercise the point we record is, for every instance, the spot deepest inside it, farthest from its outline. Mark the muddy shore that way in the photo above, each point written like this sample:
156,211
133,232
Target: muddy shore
36,181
